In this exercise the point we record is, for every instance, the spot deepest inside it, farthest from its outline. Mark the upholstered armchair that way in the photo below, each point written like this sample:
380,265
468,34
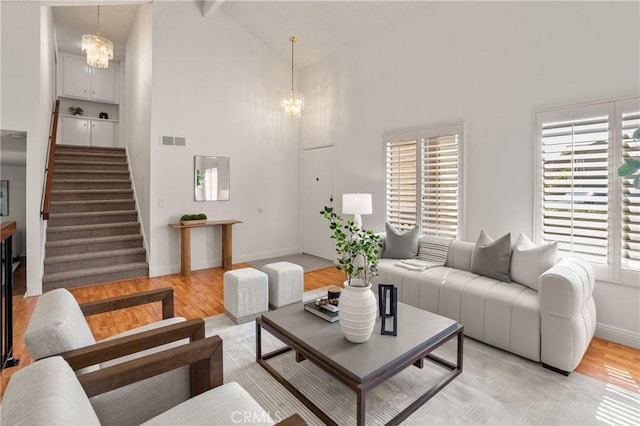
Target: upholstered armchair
49,392
58,326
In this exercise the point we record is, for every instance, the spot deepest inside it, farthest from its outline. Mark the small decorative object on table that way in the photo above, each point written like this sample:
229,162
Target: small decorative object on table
193,219
323,309
388,305
76,110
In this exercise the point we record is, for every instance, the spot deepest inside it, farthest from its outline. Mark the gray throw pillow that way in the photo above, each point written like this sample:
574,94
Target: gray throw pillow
400,245
492,258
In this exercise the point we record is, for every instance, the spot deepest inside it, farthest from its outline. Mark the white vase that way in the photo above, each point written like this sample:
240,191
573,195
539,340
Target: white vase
358,310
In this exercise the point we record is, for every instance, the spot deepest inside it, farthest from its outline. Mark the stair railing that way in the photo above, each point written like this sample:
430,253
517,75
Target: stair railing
48,171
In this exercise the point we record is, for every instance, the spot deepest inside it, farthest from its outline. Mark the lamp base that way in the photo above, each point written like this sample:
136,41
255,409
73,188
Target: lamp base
357,221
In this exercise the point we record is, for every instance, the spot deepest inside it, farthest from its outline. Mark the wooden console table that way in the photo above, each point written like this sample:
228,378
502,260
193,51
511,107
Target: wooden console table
185,242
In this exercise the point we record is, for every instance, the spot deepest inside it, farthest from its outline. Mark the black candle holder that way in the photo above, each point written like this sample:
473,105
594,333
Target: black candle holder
388,308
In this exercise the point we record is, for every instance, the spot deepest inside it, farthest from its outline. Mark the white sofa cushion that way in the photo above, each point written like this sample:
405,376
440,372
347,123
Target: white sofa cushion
225,405
48,334
529,261
46,392
492,258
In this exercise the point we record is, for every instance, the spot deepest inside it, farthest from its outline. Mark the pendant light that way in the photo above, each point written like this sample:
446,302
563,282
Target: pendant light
99,49
292,102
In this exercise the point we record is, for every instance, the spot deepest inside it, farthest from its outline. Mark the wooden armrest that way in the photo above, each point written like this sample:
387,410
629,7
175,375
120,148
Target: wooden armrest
293,420
111,349
164,295
204,356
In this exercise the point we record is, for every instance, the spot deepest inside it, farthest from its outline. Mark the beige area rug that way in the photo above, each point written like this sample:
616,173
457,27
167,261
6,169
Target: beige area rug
495,388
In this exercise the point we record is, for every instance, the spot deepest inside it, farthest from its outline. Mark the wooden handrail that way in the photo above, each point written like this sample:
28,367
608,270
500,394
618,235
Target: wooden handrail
46,196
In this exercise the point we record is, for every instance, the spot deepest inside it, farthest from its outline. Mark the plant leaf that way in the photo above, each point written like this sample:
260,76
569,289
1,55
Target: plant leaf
629,167
636,182
636,134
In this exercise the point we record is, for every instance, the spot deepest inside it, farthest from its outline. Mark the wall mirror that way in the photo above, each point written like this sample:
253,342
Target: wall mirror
211,178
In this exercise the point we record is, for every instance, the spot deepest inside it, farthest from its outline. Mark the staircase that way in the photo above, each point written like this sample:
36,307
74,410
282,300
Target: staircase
93,234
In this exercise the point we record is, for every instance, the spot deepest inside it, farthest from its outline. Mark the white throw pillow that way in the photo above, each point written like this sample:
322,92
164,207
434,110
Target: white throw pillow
529,261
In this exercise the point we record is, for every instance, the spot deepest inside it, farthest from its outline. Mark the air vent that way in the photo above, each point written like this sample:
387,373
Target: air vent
178,141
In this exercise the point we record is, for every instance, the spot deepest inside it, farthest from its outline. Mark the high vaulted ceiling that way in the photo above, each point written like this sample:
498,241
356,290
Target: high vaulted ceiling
322,27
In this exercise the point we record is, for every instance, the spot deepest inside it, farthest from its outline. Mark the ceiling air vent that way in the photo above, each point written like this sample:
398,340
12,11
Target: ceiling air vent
178,141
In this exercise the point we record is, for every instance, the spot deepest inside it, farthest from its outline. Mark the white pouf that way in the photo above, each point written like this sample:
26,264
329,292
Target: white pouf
286,283
246,294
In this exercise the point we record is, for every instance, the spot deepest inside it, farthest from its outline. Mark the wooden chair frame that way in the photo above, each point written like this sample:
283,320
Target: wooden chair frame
164,295
203,355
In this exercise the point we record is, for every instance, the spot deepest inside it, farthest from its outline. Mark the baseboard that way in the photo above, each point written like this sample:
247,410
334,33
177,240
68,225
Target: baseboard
618,335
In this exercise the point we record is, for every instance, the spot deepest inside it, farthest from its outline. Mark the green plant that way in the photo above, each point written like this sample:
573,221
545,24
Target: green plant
631,165
357,248
200,216
76,110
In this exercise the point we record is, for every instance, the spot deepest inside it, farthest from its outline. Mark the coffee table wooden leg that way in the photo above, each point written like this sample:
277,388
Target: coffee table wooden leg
360,407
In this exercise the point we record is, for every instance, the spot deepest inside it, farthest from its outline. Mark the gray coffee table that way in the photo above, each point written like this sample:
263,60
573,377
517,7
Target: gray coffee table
360,366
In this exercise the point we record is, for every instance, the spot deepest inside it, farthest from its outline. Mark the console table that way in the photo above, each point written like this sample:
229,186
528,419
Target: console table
185,242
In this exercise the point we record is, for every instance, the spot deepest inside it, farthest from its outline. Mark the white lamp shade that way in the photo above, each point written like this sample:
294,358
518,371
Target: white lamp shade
356,204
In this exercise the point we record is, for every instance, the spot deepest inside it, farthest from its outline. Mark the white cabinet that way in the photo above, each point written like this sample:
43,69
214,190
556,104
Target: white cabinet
86,132
78,80
102,133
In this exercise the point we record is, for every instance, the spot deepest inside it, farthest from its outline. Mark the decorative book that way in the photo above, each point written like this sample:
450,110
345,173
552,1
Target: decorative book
320,312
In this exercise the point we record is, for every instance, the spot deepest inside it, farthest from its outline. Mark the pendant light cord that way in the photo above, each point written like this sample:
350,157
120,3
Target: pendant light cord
98,20
293,40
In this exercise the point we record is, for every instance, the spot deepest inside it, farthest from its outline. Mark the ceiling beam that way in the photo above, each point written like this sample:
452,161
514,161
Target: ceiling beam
209,7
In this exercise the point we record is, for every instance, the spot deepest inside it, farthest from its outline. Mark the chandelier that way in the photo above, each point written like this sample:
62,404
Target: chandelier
292,102
99,49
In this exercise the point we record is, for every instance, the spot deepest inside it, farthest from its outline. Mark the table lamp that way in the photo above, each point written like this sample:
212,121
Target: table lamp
357,205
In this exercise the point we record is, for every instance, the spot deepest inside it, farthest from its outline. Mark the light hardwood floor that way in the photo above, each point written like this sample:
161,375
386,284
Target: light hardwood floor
201,295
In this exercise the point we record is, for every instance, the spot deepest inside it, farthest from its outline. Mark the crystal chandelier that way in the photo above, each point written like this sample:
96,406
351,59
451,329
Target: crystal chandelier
292,102
99,49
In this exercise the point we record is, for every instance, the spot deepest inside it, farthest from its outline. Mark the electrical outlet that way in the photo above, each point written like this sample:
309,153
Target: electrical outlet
162,202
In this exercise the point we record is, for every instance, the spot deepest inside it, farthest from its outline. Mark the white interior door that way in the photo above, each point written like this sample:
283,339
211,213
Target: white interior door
318,191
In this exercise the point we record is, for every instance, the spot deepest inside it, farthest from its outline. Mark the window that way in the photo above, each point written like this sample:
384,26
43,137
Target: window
423,176
582,203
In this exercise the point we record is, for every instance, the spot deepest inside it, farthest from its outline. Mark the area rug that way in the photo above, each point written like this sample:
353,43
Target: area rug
308,262
496,387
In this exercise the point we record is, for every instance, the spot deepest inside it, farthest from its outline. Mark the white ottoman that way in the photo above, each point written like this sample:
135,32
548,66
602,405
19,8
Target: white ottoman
246,294
285,283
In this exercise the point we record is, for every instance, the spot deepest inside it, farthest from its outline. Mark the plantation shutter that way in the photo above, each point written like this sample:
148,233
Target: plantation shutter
401,183
630,196
575,185
440,186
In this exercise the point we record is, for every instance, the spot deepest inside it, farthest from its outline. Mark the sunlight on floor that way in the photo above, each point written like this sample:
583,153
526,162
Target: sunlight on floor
620,406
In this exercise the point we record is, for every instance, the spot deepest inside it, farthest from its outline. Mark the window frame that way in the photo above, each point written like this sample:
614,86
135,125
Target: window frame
425,132
612,270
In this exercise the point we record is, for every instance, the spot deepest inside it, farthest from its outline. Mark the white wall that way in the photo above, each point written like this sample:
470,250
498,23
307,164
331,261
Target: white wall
218,85
490,65
17,177
135,117
27,98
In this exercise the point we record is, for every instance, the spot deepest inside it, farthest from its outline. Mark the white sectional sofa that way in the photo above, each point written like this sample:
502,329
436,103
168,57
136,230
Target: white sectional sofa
553,325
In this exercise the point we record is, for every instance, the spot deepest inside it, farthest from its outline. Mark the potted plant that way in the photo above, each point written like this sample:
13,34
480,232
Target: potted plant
76,110
357,251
